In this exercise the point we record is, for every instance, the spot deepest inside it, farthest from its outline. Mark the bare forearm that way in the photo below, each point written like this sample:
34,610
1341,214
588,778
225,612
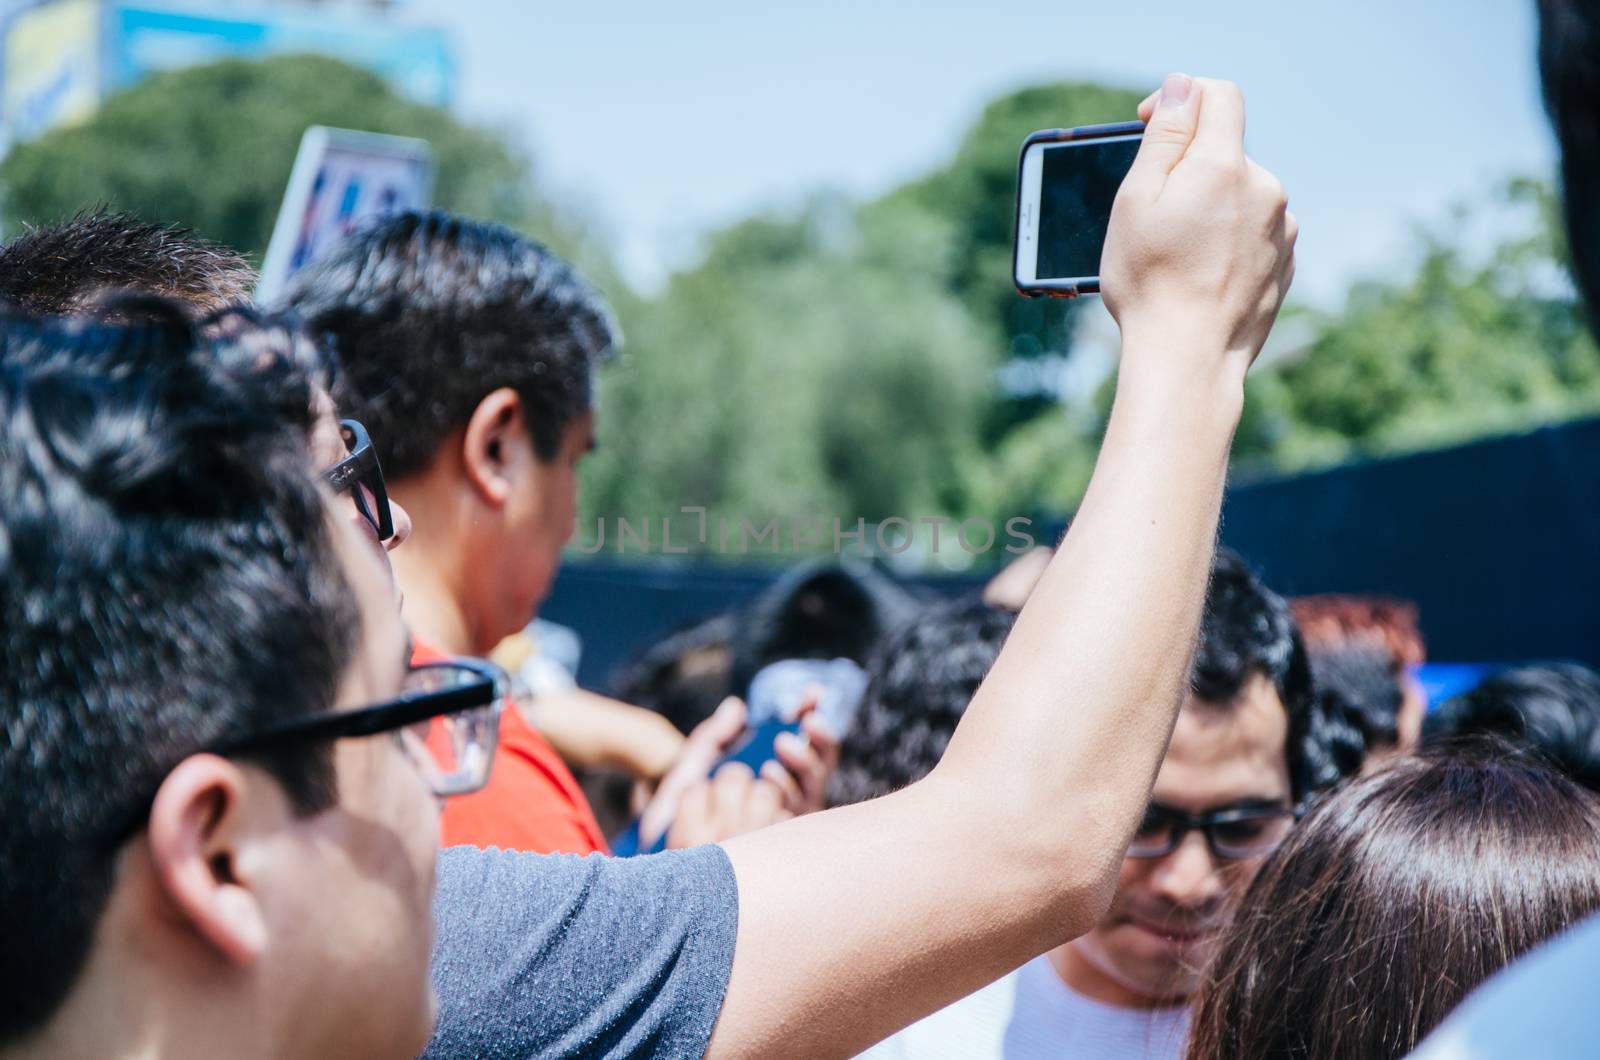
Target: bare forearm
1070,726
857,921
591,731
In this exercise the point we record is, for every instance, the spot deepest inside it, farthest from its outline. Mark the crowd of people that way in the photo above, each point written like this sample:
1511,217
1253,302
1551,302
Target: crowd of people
268,795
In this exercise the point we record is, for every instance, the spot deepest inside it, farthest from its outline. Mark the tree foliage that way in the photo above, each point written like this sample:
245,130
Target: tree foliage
211,147
840,359
847,354
1464,345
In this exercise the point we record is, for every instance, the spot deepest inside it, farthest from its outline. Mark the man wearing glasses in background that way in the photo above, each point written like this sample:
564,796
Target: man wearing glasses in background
1247,750
221,823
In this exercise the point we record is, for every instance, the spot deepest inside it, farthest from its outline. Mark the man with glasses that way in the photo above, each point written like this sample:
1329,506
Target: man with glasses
1248,750
221,821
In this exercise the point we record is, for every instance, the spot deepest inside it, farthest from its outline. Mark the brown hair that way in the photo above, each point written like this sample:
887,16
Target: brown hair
1336,620
1396,896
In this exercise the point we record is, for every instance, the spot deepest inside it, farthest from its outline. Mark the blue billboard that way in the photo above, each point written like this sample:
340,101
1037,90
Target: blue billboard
145,38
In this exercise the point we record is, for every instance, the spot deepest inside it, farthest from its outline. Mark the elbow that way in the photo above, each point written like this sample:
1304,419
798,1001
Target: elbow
1079,862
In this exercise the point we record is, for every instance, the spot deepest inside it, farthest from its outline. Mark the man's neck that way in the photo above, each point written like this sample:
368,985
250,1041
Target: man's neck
1083,977
432,568
432,608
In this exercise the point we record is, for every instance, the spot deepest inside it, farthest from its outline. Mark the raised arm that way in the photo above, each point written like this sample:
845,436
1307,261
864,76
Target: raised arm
855,922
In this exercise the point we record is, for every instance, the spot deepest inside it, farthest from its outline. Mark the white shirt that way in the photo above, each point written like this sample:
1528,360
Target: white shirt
1032,1013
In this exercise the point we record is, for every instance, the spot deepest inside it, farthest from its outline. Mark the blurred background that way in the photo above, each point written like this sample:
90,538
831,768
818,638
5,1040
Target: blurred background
803,217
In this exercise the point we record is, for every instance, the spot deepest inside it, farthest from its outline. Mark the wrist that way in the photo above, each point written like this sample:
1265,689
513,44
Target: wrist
1162,396
1183,378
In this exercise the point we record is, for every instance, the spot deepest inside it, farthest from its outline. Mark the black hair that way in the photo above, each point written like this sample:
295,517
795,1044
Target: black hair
1569,64
1551,709
920,682
818,610
63,268
1357,682
1247,630
167,582
429,313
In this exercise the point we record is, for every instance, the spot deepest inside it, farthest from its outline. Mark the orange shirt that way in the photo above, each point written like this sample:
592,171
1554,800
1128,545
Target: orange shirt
532,801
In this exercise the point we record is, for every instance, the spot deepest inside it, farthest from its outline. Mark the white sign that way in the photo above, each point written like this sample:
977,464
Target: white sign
340,179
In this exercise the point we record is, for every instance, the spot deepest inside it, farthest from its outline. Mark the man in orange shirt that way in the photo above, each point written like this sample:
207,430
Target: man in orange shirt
470,353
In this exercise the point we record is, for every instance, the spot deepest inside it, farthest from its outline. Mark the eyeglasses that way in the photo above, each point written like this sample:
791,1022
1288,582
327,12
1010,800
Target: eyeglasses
447,720
1243,832
361,474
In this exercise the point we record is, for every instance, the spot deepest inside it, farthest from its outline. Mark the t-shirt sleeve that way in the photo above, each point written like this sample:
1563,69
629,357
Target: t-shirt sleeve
565,956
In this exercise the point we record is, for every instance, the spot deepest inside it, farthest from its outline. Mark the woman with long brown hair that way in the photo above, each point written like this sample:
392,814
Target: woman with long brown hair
1397,895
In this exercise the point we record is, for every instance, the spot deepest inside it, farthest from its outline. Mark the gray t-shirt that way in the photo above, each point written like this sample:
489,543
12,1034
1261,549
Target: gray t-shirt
556,955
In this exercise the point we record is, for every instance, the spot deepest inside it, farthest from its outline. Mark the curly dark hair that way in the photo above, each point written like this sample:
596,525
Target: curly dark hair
166,583
921,680
1248,629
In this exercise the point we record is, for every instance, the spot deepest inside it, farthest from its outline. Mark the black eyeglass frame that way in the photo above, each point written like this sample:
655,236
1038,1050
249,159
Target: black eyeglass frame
388,716
1183,823
362,468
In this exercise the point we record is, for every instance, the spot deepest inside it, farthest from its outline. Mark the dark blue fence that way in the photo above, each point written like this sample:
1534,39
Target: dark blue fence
1497,542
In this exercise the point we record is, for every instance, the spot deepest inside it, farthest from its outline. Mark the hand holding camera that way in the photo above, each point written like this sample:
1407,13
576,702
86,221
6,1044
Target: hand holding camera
1200,248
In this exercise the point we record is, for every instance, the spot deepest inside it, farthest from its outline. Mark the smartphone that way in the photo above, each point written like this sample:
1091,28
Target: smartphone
775,695
1066,183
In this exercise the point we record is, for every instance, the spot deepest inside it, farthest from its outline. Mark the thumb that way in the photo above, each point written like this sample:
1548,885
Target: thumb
718,731
1169,129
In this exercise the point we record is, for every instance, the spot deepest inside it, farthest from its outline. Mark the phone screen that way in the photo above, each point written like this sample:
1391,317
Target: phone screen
1078,183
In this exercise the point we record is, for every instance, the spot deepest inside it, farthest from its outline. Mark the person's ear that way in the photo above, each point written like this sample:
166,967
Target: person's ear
197,823
492,443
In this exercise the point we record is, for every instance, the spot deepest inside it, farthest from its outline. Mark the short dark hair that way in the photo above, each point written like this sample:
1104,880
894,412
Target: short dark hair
1398,894
1569,63
167,582
429,313
63,268
1551,709
919,684
818,610
1248,630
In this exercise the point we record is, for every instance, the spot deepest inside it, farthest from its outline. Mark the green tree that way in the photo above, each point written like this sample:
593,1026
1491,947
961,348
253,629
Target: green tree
211,147
795,373
842,359
1466,345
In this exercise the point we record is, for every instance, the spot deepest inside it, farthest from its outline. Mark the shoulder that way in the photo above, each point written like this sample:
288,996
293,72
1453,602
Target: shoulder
563,955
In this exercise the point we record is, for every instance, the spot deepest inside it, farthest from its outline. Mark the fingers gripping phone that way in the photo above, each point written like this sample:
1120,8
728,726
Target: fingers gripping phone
1066,183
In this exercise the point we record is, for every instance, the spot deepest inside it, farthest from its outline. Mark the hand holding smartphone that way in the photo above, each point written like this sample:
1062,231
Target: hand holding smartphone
1067,182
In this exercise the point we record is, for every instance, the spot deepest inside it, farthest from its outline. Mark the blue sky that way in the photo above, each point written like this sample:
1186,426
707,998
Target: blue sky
664,120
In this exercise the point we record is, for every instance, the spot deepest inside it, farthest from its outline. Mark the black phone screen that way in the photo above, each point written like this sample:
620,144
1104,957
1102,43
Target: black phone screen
1077,185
